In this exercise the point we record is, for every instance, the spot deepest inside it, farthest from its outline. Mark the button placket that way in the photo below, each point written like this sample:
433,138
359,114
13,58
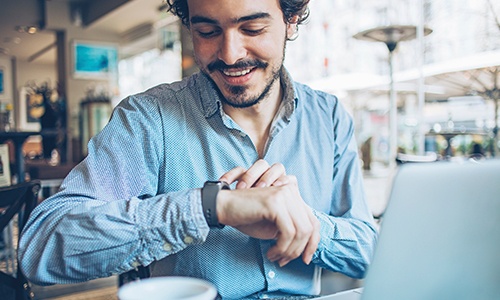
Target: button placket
270,268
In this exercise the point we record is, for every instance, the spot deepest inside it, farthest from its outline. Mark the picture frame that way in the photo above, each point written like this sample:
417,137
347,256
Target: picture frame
26,121
94,60
6,93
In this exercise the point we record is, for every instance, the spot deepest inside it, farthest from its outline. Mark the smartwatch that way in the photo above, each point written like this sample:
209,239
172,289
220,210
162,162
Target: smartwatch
209,194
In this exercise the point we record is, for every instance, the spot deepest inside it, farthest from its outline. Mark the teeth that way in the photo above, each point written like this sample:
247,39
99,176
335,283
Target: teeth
236,73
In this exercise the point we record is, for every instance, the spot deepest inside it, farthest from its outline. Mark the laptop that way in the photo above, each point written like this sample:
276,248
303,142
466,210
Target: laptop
440,235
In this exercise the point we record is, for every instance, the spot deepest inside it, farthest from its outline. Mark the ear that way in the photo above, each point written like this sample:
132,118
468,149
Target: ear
291,27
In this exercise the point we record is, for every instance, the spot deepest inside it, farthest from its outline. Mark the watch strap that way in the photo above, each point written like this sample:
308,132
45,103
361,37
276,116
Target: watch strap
209,194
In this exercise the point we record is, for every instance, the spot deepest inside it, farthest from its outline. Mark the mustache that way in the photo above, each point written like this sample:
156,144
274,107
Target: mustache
220,65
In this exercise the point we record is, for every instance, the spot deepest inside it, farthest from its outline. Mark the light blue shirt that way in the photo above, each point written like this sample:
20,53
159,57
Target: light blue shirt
136,198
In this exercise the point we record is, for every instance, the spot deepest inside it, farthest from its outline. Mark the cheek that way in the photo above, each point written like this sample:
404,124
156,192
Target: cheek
204,51
268,48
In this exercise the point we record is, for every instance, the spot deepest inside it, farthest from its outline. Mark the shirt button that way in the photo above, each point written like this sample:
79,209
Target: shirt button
188,240
271,274
167,247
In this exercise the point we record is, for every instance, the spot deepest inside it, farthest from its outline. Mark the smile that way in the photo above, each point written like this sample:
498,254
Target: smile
237,73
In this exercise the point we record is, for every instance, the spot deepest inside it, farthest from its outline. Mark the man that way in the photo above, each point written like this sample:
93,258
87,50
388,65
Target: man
141,196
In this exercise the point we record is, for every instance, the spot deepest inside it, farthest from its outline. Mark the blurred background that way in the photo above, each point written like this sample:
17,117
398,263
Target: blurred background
420,77
445,71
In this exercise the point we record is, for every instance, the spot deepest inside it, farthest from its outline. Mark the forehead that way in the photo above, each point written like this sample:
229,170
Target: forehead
227,10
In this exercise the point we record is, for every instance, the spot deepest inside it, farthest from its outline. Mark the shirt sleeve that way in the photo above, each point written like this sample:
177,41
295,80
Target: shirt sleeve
107,217
348,233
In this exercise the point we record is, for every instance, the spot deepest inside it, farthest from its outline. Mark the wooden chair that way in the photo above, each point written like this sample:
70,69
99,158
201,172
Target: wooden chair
16,200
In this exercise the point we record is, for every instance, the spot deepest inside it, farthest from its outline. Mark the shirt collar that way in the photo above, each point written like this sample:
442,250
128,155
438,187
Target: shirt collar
209,94
290,99
211,98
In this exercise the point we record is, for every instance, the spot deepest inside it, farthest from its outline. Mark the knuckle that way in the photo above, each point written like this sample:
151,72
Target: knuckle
265,162
262,162
281,249
294,253
233,174
303,231
288,233
279,166
306,233
293,178
297,252
239,169
248,176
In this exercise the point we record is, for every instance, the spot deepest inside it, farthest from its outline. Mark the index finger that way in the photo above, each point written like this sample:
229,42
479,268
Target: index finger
275,175
233,175
252,175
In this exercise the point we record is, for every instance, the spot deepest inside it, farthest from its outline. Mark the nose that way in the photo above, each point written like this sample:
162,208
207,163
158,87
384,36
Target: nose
232,48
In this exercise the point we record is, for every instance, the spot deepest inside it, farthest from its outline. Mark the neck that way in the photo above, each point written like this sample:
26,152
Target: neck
256,120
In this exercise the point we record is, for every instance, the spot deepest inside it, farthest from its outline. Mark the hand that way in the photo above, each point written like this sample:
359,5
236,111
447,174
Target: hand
274,211
260,174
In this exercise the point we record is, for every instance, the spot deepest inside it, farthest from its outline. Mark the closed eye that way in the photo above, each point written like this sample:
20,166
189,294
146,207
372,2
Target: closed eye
208,33
253,31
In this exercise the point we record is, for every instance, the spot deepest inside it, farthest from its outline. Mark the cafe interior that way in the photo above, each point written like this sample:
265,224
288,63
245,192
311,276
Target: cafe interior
65,64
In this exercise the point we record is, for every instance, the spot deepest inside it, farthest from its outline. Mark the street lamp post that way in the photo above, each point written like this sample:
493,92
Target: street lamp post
391,36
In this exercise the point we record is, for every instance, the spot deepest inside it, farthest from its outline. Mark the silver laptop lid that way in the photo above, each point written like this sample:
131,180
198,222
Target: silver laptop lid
440,235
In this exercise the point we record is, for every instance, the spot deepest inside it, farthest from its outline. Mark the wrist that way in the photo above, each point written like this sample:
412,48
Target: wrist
222,199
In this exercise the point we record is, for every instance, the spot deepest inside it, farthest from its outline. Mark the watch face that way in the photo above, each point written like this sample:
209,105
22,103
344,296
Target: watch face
223,183
213,182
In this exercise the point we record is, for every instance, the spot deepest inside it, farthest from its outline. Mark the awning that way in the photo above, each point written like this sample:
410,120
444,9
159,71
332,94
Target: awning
477,74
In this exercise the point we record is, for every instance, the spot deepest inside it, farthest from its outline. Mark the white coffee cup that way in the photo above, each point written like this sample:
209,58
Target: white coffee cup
168,288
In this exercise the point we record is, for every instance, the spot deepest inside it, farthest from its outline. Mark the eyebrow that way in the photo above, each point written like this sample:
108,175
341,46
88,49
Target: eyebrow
256,16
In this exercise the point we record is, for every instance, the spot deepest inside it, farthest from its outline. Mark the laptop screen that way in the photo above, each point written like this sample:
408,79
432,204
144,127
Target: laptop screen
440,234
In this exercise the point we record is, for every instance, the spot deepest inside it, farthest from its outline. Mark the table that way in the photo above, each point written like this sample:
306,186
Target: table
18,138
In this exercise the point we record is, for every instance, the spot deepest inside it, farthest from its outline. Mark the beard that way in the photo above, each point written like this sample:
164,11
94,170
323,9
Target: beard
238,95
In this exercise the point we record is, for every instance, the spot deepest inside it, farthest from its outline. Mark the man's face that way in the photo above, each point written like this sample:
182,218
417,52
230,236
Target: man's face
240,45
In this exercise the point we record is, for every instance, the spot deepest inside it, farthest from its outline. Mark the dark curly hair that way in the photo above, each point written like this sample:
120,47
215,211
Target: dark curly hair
290,9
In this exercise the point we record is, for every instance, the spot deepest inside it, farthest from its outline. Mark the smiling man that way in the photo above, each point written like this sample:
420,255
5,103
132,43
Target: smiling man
237,174
240,48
